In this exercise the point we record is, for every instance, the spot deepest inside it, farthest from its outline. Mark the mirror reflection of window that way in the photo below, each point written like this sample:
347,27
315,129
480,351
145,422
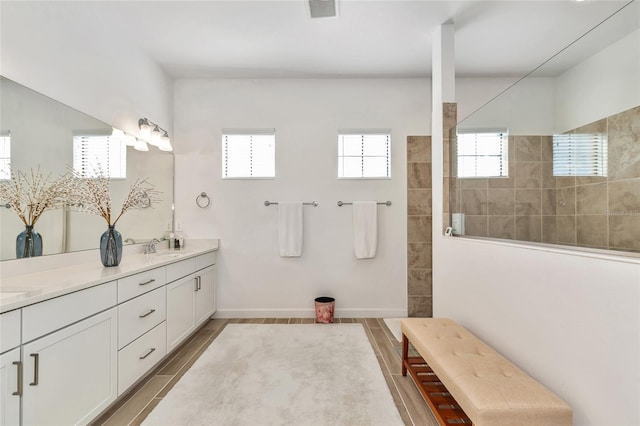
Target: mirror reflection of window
580,154
99,154
5,155
483,154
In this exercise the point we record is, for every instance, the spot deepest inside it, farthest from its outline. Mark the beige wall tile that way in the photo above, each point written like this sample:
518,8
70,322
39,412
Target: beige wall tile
549,201
548,179
472,183
419,201
527,148
528,202
566,201
624,197
419,149
448,168
450,117
476,226
591,199
592,230
419,229
474,201
599,126
566,229
565,181
419,282
549,229
624,232
501,202
505,182
502,227
624,145
528,175
546,148
529,228
420,306
419,255
419,175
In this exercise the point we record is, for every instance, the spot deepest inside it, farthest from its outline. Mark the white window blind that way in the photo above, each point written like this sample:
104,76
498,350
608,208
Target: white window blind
483,154
248,154
364,154
96,154
580,154
5,156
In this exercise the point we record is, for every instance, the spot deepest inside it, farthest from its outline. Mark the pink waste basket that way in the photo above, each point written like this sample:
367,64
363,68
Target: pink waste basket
324,309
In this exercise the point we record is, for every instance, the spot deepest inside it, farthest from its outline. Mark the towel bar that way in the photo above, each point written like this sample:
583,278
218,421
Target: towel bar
312,203
386,203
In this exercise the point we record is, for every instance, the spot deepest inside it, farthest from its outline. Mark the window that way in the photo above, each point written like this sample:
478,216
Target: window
96,154
580,154
5,156
248,154
483,154
364,154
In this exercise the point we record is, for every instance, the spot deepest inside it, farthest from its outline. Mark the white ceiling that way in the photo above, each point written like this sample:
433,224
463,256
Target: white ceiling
383,38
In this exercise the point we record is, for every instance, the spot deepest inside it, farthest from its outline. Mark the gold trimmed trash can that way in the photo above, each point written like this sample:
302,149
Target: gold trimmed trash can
324,309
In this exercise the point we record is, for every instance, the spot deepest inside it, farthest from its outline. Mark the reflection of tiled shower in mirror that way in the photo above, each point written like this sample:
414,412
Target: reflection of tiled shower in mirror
579,115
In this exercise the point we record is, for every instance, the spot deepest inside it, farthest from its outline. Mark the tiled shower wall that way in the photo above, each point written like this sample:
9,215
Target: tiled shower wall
533,205
419,215
419,221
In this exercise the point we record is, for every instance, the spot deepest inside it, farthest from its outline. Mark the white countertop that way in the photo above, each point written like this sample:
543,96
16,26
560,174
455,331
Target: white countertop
33,285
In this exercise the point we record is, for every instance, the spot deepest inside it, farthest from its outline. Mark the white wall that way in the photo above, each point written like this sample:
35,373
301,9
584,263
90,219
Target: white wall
254,280
65,51
605,84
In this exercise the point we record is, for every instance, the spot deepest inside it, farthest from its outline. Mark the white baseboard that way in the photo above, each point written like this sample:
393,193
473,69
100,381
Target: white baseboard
309,313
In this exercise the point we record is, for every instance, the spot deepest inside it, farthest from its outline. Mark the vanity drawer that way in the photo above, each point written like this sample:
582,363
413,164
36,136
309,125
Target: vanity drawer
140,356
139,315
180,269
9,330
205,260
135,285
44,317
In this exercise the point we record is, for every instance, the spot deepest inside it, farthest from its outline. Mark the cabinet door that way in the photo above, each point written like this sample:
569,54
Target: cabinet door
180,310
70,376
205,294
10,388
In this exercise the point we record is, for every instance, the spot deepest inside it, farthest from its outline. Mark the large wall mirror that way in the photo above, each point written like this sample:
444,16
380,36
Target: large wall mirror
556,157
40,132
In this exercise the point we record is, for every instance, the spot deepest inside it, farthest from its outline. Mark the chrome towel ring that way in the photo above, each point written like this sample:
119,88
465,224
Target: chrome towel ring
203,200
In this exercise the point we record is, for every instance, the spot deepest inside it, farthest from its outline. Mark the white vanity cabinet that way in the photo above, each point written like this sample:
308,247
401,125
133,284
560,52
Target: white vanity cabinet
70,375
142,337
10,368
64,360
69,357
10,387
190,299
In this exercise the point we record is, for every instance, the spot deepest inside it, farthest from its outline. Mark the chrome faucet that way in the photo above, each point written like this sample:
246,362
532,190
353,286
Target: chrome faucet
150,247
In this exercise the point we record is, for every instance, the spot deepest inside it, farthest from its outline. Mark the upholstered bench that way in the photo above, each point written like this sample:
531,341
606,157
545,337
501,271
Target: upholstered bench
465,381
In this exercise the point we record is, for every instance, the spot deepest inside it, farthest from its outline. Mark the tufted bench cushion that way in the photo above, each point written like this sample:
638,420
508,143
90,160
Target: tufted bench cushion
489,389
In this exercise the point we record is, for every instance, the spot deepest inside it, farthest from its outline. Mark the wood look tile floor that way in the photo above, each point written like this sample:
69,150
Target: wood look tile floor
134,407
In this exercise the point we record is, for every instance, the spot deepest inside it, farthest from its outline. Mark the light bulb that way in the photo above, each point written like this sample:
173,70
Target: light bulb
141,145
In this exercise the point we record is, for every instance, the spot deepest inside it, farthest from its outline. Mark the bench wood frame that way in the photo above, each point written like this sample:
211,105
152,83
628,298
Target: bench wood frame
445,409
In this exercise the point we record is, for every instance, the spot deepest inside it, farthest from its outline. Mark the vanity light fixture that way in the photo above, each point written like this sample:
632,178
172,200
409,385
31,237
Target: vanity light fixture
153,134
130,140
140,145
117,133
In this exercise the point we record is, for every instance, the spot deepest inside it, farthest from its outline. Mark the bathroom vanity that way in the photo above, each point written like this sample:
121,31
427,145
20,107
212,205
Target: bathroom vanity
76,337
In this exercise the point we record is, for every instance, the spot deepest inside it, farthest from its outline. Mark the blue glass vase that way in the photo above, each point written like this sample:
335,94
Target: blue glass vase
111,247
28,243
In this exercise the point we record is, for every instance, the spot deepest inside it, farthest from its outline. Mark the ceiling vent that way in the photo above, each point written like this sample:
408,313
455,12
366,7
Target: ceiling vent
322,8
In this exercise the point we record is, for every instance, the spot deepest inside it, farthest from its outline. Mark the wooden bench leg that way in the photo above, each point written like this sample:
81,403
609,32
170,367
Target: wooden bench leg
405,353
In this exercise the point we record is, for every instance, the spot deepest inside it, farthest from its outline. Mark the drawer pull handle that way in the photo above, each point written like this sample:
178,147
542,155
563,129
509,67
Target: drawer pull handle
198,283
147,282
149,352
19,391
36,369
147,314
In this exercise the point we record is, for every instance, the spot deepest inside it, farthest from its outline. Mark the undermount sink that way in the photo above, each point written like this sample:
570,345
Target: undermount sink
168,255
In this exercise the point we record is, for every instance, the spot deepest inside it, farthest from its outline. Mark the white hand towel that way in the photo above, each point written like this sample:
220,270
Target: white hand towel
365,229
290,229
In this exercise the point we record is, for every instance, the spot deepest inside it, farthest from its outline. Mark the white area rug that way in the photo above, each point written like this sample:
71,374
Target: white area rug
394,326
272,374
